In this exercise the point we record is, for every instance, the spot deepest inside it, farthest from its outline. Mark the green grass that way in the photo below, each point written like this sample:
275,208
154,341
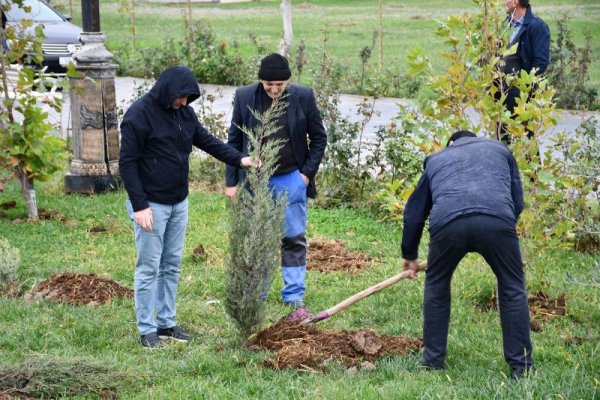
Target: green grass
350,25
213,366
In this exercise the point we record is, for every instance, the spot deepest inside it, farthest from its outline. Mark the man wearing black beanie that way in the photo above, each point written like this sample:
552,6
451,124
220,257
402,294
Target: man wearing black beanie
304,141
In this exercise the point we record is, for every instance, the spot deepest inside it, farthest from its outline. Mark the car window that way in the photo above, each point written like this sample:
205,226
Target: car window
40,12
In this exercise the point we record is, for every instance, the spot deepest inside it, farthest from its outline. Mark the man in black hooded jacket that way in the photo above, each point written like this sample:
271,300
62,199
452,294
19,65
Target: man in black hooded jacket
157,134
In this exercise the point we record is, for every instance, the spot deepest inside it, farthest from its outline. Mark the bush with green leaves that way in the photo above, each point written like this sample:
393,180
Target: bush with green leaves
211,60
566,199
257,223
9,263
569,69
205,170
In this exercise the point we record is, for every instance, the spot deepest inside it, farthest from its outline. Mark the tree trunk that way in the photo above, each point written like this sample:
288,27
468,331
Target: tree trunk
189,2
133,30
380,66
288,35
28,192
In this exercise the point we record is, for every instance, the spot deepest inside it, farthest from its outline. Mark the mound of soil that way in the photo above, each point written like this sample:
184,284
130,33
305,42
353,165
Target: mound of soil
97,229
306,347
50,214
81,289
541,308
199,252
332,255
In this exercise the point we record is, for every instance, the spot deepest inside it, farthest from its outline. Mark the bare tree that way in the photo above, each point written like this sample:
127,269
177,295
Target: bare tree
380,66
285,48
189,4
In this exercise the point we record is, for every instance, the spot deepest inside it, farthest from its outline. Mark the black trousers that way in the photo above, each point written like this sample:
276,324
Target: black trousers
496,240
512,94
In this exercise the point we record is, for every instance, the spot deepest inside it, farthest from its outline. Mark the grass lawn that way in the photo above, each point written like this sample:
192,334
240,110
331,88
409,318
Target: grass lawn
350,25
213,366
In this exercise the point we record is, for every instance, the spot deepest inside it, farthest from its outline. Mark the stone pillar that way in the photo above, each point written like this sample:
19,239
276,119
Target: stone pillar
94,119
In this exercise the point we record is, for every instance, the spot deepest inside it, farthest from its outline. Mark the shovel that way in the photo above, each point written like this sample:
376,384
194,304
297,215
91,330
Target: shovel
361,295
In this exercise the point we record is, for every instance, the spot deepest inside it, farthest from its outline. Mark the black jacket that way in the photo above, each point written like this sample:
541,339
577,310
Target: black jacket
534,43
307,133
472,176
156,141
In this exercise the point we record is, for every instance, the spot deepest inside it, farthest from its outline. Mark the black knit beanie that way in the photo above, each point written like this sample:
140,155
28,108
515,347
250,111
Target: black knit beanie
274,67
459,134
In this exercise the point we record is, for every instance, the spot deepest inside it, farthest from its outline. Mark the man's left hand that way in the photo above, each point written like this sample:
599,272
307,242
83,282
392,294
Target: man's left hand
247,162
411,265
304,178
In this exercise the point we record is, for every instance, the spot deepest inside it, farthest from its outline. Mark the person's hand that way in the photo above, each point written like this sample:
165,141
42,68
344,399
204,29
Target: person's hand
144,219
249,162
230,191
305,178
411,265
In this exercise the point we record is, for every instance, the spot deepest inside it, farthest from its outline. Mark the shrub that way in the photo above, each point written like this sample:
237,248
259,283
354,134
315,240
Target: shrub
211,60
569,69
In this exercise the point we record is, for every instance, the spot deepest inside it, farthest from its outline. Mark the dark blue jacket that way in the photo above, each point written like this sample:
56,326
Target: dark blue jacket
471,176
307,133
156,141
534,43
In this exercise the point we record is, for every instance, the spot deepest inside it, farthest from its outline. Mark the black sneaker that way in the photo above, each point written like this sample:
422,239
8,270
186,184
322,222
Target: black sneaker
175,333
521,373
150,340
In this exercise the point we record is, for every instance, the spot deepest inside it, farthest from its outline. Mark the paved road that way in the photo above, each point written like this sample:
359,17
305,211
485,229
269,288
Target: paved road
386,108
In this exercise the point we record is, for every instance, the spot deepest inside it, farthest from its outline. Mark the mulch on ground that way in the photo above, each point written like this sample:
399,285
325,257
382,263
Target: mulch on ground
305,347
199,252
333,255
80,289
8,396
541,308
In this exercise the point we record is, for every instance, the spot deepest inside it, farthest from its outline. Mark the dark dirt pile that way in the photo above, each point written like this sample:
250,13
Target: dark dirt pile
305,347
541,308
199,252
80,289
332,255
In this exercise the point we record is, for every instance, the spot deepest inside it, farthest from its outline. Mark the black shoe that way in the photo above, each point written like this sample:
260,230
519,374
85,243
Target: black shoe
175,333
521,373
150,340
432,365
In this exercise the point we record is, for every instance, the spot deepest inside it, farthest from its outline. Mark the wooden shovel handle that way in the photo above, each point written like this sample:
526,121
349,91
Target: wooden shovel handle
361,295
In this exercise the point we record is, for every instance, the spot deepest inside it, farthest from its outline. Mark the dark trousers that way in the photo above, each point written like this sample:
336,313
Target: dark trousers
496,240
510,102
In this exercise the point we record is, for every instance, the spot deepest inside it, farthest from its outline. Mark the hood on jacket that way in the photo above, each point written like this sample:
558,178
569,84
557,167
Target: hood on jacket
173,83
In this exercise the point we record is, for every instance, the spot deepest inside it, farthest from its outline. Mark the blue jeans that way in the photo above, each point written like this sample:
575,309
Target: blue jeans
496,240
293,245
159,254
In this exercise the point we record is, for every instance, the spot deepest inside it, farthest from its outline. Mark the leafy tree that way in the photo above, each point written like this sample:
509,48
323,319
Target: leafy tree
470,94
256,230
26,147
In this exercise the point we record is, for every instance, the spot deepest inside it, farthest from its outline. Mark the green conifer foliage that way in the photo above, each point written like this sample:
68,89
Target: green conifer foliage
257,220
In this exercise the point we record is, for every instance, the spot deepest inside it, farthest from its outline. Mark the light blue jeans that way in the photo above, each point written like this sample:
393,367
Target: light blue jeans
159,254
293,245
